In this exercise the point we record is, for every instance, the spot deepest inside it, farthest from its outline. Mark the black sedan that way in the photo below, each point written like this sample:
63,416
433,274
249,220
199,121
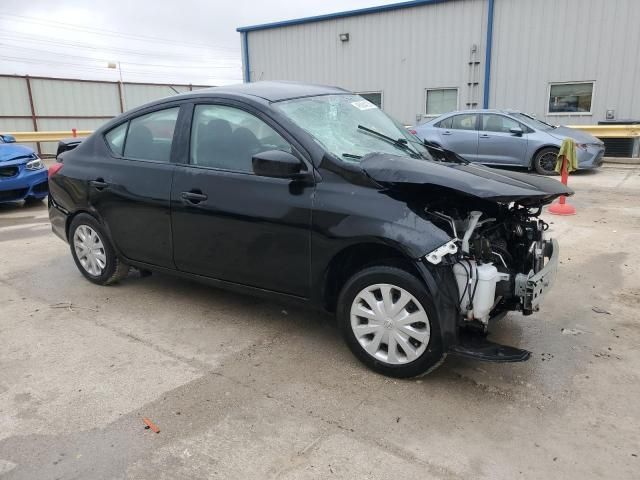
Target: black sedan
312,194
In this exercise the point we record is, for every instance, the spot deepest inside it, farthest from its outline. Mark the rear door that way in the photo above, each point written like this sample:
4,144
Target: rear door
458,133
231,224
497,145
131,190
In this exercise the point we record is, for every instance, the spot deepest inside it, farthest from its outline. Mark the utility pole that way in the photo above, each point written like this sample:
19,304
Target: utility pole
117,65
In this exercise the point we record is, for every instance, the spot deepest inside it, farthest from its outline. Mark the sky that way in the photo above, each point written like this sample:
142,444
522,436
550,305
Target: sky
158,41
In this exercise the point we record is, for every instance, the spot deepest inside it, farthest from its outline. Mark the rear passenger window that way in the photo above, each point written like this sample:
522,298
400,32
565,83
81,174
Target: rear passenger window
115,138
465,121
150,136
227,138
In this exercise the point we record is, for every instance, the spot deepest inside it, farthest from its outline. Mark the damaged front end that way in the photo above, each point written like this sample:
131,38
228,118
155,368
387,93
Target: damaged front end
498,252
502,262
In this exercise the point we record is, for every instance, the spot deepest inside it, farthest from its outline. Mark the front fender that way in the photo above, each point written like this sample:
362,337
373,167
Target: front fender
442,285
370,214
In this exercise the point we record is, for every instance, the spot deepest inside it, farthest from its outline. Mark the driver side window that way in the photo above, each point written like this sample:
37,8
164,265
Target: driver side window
227,138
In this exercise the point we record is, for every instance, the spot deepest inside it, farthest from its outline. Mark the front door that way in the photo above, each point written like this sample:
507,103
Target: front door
131,190
497,145
231,224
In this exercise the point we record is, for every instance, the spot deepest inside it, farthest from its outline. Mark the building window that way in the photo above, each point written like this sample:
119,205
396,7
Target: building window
441,100
570,98
373,97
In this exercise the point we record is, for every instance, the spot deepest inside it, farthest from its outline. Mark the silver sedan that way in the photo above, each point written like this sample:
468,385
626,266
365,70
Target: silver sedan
506,137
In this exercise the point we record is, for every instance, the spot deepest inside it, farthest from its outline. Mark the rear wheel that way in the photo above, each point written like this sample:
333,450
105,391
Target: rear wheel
545,160
94,255
389,322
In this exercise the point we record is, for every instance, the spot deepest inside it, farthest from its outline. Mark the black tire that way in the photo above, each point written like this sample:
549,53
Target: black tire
544,162
432,356
114,269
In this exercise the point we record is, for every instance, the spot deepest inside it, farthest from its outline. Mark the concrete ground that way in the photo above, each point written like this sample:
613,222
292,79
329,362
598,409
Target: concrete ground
245,388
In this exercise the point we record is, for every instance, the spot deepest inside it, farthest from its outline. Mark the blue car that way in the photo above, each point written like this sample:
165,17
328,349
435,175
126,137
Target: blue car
508,137
22,173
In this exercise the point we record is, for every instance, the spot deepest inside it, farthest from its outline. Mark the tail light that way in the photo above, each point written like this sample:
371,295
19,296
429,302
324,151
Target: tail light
412,131
55,168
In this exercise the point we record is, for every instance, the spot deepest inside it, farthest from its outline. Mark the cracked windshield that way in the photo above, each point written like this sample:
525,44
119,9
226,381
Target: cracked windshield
351,127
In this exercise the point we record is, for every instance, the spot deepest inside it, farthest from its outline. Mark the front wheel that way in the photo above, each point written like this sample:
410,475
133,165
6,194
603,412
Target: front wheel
389,322
545,160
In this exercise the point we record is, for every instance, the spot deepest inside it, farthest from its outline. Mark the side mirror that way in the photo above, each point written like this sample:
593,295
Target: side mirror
277,164
8,138
517,131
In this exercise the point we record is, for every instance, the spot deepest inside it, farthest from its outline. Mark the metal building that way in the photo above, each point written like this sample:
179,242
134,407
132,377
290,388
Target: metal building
565,61
41,103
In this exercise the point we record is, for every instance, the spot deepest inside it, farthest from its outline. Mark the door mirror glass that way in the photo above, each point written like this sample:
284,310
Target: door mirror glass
8,138
276,164
516,131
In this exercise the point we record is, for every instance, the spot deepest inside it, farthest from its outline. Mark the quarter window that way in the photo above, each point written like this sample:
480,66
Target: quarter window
150,136
466,121
498,123
115,138
570,98
227,138
441,100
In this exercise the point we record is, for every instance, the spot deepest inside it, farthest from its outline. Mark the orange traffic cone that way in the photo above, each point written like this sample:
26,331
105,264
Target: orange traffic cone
561,207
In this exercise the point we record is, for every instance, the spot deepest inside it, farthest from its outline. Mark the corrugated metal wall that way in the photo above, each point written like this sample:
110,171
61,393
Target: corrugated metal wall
543,41
401,53
63,104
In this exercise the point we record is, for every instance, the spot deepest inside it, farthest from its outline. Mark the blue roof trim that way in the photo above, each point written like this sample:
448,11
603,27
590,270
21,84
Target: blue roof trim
349,13
245,57
487,56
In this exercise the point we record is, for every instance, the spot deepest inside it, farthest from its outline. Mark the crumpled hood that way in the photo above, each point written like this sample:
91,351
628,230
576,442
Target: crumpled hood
469,179
11,151
578,135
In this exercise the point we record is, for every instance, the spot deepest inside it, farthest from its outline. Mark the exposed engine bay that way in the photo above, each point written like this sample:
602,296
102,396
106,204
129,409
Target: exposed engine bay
499,256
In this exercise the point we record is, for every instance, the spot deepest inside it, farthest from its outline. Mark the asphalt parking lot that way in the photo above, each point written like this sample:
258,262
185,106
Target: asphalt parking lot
245,388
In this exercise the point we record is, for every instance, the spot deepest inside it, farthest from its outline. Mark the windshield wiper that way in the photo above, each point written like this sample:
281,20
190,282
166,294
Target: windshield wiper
351,155
401,143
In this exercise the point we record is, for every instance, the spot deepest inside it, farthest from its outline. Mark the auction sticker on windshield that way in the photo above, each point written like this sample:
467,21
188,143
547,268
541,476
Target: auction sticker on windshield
363,105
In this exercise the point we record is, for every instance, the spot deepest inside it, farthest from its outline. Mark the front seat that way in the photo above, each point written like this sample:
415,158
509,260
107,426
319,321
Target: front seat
214,142
246,145
494,124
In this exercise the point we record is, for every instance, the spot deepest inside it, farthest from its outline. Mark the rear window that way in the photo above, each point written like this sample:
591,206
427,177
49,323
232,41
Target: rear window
150,136
466,121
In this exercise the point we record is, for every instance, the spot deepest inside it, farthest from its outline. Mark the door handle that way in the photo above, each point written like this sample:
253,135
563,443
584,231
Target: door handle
484,135
446,133
194,197
98,184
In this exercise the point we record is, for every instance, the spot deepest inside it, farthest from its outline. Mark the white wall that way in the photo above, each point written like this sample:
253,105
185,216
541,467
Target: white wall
543,41
400,52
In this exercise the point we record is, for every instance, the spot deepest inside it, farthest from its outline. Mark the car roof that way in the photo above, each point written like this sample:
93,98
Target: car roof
482,110
270,90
